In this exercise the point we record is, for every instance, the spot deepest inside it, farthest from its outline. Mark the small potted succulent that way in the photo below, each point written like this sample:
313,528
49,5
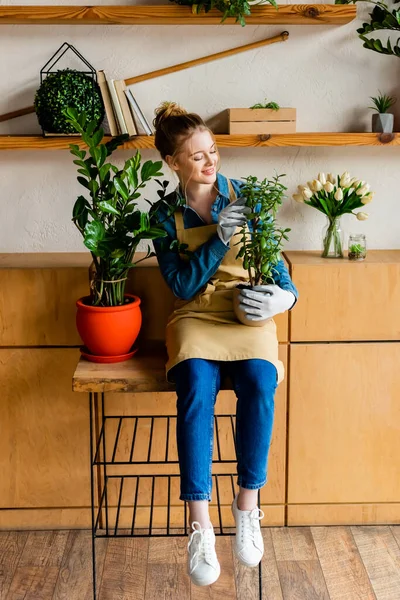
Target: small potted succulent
382,122
261,243
107,217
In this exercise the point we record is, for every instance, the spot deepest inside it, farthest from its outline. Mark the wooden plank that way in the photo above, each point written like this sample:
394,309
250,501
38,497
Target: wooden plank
319,14
166,574
39,565
343,514
46,518
271,587
278,140
299,570
381,556
343,569
354,398
262,114
261,127
125,569
11,548
311,258
75,575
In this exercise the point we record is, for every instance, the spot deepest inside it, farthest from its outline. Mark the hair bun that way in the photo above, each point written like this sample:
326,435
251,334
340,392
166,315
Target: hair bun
166,110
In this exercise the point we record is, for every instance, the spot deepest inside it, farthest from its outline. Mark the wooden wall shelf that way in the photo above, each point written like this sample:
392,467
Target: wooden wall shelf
287,14
37,142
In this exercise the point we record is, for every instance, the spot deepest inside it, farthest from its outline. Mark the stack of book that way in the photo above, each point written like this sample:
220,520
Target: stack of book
123,113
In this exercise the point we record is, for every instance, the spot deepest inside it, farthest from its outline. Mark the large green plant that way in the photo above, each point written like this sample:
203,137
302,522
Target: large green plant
67,89
261,247
381,17
239,9
109,220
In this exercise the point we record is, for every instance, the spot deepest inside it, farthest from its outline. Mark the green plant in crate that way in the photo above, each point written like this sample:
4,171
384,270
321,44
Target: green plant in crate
109,221
261,244
239,9
271,105
67,88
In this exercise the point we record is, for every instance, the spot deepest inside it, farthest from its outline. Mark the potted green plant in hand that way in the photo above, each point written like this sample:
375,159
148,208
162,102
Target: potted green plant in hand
107,217
382,122
261,242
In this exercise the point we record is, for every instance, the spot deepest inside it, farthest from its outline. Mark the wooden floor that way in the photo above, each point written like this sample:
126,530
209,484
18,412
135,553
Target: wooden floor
300,563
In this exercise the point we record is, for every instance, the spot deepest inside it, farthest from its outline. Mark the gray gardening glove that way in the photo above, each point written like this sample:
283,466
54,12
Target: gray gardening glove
232,216
265,301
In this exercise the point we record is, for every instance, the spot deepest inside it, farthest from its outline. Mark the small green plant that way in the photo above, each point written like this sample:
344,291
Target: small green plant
380,18
239,9
261,247
382,103
109,221
67,89
272,105
357,251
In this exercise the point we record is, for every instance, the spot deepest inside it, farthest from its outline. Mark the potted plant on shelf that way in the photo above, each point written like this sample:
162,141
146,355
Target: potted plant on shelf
334,197
382,122
238,9
261,242
108,320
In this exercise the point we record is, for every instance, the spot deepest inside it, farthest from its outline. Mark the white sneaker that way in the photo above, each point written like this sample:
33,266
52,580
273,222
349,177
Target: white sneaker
249,544
203,565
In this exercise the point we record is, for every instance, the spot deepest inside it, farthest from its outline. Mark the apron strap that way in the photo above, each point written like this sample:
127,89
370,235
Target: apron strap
232,195
178,214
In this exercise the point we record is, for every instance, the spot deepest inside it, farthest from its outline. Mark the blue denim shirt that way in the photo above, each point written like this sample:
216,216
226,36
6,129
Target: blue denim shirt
187,278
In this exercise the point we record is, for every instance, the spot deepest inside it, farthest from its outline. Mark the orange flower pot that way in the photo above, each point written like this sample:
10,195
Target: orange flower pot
109,331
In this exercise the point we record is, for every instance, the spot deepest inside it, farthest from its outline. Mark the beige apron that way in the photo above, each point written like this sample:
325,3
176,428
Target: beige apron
206,326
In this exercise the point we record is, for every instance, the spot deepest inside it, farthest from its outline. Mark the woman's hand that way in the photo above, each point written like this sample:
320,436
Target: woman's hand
265,301
232,216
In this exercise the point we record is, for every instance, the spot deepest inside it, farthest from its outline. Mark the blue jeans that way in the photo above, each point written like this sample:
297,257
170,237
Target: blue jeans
197,385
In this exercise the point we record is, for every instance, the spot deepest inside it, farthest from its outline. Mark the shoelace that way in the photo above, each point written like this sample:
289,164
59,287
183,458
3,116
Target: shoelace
250,524
205,547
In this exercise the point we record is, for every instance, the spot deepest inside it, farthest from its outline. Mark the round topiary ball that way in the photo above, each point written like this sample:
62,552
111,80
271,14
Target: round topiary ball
67,89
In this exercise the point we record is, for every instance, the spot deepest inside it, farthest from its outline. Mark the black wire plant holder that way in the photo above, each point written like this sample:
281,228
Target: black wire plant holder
48,68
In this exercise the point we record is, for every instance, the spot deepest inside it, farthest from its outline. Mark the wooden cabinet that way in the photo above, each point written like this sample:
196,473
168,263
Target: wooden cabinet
335,450
342,300
344,403
344,432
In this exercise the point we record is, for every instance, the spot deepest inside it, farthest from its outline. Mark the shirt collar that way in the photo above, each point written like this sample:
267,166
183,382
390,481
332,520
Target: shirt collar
222,184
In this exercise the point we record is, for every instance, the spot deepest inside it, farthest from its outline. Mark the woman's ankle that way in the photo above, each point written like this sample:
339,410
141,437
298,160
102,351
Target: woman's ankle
247,499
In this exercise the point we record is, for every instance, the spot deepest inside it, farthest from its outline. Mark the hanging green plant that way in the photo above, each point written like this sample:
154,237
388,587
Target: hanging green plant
381,18
63,89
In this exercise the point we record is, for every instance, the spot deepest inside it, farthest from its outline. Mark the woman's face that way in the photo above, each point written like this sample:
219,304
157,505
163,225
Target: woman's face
198,159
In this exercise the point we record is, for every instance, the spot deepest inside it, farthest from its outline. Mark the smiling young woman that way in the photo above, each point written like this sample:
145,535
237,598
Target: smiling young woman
205,340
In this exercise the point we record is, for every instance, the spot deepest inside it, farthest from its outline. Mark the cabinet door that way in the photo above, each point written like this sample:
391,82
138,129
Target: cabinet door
44,442
340,300
344,423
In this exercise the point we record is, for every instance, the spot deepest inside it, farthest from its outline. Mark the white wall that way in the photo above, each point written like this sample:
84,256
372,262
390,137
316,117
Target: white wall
323,71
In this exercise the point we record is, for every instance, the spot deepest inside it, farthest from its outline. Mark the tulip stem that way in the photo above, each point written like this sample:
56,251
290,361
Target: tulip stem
332,243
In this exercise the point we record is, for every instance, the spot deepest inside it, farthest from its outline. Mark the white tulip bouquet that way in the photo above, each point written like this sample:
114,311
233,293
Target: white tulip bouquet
335,196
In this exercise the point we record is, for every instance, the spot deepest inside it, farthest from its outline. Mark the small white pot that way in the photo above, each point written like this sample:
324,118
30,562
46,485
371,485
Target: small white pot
240,315
382,123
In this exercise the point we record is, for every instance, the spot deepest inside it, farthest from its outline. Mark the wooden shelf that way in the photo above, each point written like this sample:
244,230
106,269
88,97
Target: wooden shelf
168,14
37,142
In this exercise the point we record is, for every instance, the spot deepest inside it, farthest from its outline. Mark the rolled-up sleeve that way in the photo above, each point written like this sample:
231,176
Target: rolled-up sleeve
283,279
